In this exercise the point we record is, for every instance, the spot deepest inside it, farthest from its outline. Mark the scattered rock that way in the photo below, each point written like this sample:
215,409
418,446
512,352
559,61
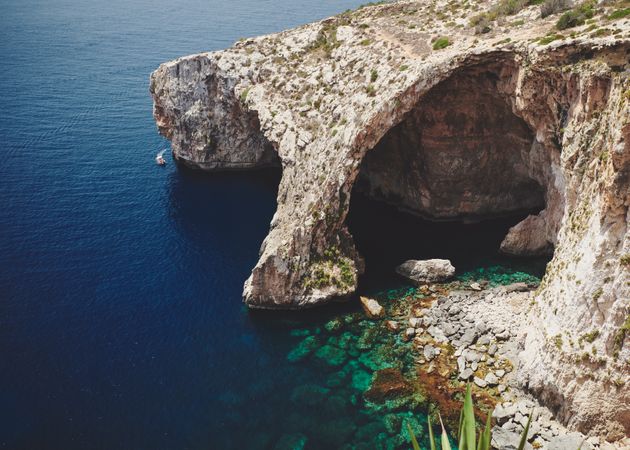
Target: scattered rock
437,334
515,287
461,363
503,412
372,308
426,271
430,352
483,340
469,337
503,439
570,441
465,374
449,329
492,379
504,336
392,325
479,382
475,286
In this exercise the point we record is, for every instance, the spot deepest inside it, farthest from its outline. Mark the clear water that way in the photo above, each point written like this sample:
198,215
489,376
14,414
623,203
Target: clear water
121,325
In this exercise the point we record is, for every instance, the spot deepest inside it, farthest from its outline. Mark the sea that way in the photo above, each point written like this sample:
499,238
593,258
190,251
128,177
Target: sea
121,319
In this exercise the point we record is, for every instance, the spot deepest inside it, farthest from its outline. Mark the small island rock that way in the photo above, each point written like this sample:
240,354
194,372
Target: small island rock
426,271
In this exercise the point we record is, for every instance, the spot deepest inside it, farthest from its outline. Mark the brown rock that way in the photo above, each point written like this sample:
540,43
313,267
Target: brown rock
387,384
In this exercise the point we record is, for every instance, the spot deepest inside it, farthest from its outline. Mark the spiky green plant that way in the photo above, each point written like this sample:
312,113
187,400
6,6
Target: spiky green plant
467,430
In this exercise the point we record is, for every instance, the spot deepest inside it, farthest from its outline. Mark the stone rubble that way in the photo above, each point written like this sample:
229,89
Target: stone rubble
484,337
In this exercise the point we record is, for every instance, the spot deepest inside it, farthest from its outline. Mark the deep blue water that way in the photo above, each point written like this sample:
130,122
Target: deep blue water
121,322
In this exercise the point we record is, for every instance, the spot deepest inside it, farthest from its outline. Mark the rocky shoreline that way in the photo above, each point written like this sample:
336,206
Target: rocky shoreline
455,333
476,335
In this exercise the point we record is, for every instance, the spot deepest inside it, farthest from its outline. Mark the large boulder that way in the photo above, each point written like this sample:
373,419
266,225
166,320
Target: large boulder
426,271
372,308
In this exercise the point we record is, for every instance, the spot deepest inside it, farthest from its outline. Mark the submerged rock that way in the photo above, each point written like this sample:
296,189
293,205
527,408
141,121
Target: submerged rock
426,271
372,308
334,325
303,349
331,355
309,394
387,384
291,442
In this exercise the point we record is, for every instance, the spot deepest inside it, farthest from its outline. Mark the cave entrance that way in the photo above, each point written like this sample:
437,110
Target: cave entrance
449,180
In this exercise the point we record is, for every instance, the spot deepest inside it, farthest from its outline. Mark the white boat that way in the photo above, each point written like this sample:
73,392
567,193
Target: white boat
159,159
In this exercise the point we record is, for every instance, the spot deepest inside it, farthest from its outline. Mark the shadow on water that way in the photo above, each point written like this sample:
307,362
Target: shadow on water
386,237
199,200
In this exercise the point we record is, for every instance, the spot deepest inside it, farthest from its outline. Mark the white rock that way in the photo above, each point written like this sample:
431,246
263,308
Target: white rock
426,271
372,308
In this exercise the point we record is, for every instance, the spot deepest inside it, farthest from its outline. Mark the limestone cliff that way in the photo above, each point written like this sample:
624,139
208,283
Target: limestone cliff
412,104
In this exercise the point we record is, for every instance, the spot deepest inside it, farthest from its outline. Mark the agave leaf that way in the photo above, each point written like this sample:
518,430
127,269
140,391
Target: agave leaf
446,445
521,445
414,441
431,438
468,425
486,436
459,428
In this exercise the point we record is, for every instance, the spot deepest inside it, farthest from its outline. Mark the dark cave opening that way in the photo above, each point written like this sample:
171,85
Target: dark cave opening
449,180
386,237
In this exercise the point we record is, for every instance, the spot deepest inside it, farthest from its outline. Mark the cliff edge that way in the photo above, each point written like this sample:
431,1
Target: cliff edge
451,110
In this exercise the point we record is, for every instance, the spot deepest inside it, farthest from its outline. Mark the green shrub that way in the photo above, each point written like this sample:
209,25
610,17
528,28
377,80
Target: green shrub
441,43
577,16
549,38
373,75
508,7
619,14
590,337
620,336
244,95
550,7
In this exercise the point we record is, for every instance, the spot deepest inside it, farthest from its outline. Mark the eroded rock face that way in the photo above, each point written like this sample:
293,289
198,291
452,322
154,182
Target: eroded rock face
485,126
528,238
459,153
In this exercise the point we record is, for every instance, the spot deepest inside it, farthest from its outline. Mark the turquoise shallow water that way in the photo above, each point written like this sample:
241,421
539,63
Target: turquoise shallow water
121,324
